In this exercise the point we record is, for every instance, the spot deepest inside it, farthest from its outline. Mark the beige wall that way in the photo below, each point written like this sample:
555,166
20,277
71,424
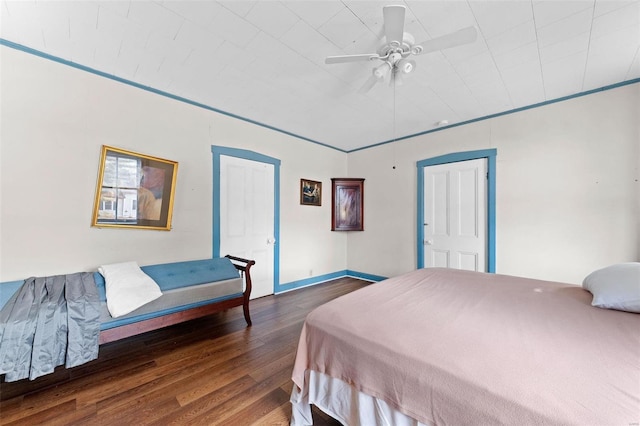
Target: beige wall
54,120
567,188
567,180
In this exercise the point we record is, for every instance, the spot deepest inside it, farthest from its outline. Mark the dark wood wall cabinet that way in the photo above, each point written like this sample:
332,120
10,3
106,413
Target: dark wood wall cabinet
347,204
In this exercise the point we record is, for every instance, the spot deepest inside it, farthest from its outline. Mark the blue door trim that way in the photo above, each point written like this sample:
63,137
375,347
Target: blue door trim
247,155
490,155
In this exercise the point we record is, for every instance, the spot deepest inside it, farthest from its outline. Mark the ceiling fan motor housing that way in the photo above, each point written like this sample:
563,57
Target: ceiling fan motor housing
404,48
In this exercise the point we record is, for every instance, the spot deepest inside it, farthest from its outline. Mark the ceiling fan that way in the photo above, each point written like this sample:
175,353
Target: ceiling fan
399,46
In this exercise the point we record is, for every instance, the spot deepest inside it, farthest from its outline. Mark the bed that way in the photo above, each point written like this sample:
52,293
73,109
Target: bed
449,347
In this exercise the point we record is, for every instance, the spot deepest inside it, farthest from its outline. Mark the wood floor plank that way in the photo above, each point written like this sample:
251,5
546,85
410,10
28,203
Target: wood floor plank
43,416
279,416
261,373
212,370
222,414
144,411
51,397
181,376
259,409
211,384
162,387
77,417
221,397
234,369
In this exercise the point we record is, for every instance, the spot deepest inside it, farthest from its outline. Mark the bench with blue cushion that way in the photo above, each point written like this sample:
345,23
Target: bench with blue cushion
191,289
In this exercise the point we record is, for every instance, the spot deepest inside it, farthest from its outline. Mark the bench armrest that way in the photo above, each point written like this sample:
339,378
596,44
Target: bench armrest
244,266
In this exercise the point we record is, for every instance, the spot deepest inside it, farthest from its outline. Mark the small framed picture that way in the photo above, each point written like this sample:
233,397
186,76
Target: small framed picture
134,190
310,192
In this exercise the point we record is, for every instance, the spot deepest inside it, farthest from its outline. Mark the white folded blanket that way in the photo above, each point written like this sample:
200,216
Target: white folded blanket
127,287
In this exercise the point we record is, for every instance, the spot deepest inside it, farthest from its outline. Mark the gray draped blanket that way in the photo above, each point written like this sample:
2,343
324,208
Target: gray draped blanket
48,322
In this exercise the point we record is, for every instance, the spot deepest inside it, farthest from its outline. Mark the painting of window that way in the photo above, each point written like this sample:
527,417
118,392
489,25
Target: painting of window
134,190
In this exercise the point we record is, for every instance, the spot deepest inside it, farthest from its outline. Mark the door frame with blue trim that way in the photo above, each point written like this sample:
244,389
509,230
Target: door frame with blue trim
490,155
218,151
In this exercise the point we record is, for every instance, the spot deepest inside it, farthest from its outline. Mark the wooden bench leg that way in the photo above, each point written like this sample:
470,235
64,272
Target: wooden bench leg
245,308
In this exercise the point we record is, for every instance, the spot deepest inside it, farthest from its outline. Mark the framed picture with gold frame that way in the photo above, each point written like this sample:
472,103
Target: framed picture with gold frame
310,192
134,190
347,198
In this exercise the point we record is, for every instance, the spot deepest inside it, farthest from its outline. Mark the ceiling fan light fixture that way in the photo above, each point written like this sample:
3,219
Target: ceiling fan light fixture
407,66
381,71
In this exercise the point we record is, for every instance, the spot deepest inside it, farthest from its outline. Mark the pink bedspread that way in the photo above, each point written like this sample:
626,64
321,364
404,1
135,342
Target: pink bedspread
451,347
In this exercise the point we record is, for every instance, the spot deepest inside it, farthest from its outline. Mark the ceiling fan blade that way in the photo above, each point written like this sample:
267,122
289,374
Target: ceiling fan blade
350,58
371,81
394,23
463,36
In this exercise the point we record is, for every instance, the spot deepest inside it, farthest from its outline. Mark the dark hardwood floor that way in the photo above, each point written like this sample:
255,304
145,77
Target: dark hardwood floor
208,371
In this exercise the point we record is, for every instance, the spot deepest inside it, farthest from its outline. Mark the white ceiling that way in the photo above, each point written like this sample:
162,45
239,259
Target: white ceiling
264,60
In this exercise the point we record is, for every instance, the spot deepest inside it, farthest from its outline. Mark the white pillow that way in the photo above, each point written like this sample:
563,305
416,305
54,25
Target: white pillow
127,287
615,287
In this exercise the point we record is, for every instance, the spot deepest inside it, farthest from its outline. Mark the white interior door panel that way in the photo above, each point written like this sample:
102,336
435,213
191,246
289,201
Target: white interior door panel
247,217
455,228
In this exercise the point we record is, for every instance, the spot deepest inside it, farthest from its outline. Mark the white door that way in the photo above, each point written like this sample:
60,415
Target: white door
247,217
455,215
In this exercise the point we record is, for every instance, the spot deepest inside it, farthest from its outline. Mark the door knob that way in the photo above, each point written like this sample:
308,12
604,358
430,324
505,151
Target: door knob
428,242
271,240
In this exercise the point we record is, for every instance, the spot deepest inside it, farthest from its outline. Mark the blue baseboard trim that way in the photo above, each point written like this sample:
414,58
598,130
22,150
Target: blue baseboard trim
364,276
294,285
8,289
309,281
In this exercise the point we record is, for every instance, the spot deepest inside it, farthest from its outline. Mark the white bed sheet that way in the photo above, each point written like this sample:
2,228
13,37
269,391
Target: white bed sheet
344,403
